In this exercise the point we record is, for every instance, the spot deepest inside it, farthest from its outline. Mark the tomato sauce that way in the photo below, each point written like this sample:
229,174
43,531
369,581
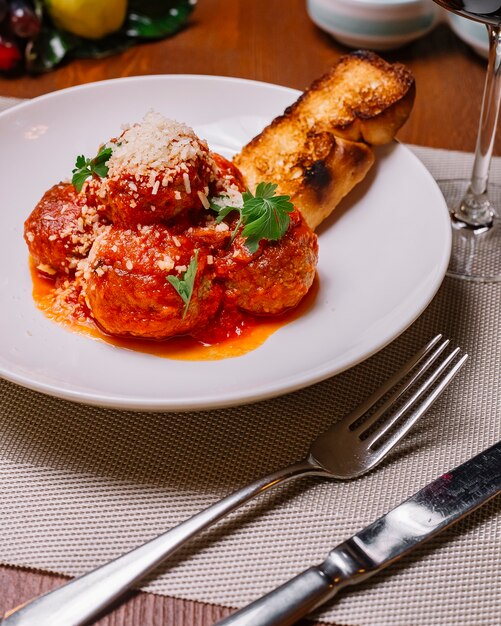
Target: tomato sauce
231,334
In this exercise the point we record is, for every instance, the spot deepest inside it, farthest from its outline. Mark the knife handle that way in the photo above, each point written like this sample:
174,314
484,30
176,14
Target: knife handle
286,604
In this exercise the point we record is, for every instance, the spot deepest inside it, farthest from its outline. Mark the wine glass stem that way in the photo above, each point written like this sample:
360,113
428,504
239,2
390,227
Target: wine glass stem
476,210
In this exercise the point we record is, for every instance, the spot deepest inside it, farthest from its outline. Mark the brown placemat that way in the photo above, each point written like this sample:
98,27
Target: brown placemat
80,485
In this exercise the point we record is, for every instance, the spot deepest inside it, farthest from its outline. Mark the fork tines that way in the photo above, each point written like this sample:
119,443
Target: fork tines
419,383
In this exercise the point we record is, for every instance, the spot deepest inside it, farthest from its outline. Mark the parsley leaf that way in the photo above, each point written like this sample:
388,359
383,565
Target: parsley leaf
184,286
264,215
87,167
224,210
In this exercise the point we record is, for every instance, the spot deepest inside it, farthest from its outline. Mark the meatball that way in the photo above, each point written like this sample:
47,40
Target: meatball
158,169
277,276
127,288
227,175
61,228
134,201
206,232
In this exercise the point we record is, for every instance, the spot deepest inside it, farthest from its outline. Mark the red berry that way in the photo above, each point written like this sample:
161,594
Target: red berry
23,20
10,55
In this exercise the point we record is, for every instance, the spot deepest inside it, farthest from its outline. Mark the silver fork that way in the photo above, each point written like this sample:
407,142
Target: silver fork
348,449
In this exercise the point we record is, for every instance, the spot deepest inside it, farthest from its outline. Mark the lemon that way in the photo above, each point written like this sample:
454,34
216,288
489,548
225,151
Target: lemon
92,19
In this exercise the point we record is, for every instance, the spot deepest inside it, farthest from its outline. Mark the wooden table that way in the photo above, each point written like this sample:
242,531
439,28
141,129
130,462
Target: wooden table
273,41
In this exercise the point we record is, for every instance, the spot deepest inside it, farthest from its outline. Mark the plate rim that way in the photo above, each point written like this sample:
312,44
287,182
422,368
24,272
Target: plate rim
28,102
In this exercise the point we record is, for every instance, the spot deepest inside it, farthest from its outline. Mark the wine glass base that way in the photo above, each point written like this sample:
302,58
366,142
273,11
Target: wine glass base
476,252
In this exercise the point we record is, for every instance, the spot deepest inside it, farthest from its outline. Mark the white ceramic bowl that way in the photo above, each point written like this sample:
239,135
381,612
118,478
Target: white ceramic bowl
472,33
375,24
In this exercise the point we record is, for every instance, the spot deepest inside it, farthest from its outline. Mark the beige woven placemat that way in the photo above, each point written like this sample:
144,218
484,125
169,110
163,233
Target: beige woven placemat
80,485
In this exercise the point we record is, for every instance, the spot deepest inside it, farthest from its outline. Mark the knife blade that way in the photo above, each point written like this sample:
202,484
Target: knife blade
434,508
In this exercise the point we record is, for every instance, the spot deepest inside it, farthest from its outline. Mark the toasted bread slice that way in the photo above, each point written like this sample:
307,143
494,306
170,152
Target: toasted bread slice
317,151
315,170
362,98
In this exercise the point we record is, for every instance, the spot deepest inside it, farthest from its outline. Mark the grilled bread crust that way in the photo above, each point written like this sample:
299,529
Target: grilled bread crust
320,148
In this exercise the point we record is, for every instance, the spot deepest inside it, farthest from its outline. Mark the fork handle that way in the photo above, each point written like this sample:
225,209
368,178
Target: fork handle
81,599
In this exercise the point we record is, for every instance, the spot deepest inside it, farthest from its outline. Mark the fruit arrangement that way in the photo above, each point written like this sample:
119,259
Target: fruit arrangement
37,35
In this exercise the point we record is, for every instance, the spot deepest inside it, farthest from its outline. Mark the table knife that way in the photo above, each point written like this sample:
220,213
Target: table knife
443,502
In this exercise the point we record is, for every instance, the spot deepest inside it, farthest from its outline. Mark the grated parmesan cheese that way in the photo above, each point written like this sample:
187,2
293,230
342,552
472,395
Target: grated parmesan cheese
231,197
166,263
157,145
203,200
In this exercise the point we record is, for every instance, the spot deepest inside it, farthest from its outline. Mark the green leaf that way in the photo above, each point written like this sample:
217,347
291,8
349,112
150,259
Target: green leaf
265,190
100,169
264,216
87,167
101,48
103,155
98,165
48,49
184,286
81,161
152,19
222,210
79,178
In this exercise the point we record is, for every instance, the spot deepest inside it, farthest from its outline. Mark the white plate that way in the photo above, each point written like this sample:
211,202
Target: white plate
381,259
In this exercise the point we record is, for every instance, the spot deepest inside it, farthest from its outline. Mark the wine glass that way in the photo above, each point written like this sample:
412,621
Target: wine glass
474,203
